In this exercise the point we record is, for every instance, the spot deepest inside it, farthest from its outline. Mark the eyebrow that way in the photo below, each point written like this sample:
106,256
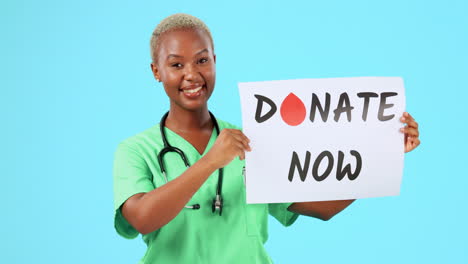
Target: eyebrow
178,56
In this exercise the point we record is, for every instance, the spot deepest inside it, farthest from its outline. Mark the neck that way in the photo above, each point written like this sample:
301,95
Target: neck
181,120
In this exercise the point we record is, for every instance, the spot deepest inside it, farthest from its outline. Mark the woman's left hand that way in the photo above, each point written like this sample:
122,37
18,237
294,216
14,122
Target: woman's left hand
411,132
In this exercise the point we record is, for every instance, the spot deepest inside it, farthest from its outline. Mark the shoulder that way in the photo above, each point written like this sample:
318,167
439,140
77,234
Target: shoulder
149,137
224,124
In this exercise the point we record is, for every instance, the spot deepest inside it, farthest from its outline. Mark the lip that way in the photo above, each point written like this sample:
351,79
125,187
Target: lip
193,94
192,86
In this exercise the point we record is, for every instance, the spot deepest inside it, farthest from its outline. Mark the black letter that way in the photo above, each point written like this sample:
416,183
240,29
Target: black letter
295,163
341,172
340,108
366,96
316,104
258,112
317,163
383,106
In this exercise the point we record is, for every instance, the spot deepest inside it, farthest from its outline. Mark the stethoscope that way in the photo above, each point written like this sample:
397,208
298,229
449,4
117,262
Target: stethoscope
218,200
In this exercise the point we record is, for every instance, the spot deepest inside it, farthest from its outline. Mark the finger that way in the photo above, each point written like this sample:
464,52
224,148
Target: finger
409,145
241,152
410,131
241,134
246,141
245,145
241,146
412,123
409,121
413,132
412,144
243,140
417,142
408,116
402,118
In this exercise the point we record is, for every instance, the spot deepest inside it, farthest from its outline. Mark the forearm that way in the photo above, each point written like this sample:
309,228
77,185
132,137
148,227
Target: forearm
153,210
323,210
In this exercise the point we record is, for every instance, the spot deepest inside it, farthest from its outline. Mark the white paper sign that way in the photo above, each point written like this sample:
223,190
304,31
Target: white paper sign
323,139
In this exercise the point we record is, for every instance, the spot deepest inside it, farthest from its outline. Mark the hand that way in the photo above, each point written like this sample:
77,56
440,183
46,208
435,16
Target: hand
411,132
229,144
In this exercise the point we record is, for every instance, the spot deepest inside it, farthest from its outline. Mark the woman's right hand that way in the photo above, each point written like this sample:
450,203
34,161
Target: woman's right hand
148,212
229,144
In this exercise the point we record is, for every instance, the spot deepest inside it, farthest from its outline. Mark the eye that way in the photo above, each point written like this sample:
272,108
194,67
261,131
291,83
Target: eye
202,60
176,65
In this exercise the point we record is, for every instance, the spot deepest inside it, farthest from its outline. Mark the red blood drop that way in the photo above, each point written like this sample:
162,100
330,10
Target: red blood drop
293,110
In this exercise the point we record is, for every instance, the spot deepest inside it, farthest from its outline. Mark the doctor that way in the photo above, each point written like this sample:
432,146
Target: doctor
197,214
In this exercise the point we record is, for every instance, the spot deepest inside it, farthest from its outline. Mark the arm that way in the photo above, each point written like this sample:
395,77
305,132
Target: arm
147,212
150,211
325,210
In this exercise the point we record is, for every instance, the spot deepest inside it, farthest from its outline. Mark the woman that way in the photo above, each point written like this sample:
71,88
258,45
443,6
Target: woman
179,210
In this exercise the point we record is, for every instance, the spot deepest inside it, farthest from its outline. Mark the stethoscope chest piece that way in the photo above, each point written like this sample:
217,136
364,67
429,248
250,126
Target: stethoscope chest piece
217,204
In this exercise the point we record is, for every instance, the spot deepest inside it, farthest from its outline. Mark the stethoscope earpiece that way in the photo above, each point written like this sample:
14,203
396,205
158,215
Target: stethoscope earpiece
194,207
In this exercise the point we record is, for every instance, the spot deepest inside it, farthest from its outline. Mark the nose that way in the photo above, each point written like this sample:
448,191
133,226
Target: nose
191,73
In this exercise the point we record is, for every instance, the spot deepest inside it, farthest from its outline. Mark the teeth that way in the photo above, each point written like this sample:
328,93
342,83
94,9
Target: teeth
193,90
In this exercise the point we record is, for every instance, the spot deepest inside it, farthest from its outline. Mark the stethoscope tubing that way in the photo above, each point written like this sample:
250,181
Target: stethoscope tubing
217,201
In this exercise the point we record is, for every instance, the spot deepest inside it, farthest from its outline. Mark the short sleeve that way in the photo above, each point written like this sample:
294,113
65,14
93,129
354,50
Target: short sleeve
282,214
131,176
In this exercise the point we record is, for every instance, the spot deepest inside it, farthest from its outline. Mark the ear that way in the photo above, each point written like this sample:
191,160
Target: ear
155,71
214,58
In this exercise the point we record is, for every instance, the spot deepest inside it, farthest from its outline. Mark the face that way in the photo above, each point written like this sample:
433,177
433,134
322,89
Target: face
186,67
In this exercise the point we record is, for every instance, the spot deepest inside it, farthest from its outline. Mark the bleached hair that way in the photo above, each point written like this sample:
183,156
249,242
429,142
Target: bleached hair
173,22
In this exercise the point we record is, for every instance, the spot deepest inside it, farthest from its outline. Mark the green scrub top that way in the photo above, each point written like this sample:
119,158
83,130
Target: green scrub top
193,236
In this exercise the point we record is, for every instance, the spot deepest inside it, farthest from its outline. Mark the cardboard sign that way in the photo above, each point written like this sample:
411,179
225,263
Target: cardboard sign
323,139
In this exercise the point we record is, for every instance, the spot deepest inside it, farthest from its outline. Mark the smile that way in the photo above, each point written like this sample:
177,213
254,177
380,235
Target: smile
194,90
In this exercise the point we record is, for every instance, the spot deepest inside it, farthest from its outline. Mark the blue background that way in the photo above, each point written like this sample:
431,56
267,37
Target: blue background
75,81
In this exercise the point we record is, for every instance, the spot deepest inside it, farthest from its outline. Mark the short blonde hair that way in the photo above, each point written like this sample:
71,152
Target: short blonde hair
173,22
